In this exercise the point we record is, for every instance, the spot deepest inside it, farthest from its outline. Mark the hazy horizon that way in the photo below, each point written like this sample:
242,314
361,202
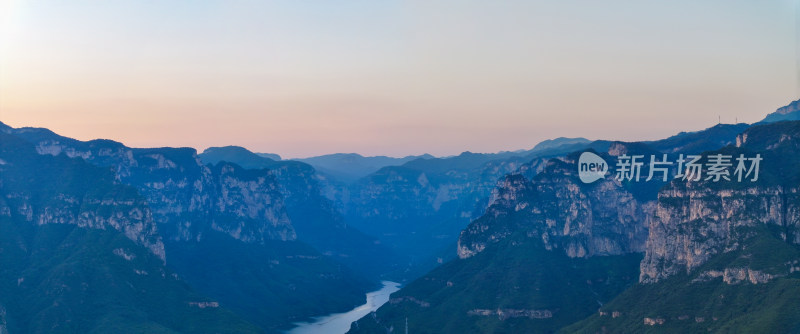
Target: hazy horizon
289,157
303,79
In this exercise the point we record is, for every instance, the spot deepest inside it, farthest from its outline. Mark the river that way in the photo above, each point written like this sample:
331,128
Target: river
339,323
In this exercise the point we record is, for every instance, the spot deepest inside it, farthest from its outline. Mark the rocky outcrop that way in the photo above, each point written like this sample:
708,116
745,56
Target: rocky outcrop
736,276
694,221
579,220
190,198
46,190
654,321
504,314
187,198
249,206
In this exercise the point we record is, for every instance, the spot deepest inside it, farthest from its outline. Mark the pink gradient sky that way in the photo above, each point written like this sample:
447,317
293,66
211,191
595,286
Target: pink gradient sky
303,78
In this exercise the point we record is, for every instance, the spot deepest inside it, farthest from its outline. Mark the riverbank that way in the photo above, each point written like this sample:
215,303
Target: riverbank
339,323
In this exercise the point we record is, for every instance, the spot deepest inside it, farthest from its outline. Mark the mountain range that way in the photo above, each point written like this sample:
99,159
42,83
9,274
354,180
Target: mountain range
552,254
100,237
225,232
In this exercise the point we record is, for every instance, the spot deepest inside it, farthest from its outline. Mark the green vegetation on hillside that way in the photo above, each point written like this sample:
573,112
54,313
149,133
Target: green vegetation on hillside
694,303
518,275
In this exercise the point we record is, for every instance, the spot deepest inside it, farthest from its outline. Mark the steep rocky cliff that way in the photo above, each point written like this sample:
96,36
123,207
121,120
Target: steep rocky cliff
187,197
249,205
580,220
694,221
65,191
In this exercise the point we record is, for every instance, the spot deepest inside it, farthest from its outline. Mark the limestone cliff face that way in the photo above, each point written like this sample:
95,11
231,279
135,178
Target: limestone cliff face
126,213
186,197
249,205
694,221
302,189
579,220
190,198
57,190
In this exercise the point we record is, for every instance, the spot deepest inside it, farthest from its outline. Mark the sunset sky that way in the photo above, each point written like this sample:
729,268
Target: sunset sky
303,78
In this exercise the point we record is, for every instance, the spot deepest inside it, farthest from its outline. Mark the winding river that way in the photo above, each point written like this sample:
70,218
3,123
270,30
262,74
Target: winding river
339,323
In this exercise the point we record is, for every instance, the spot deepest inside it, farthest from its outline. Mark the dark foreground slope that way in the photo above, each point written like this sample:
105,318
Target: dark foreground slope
522,288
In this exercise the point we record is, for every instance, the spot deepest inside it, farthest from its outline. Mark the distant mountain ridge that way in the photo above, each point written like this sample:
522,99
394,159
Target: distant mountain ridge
348,167
560,141
272,156
238,155
790,112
